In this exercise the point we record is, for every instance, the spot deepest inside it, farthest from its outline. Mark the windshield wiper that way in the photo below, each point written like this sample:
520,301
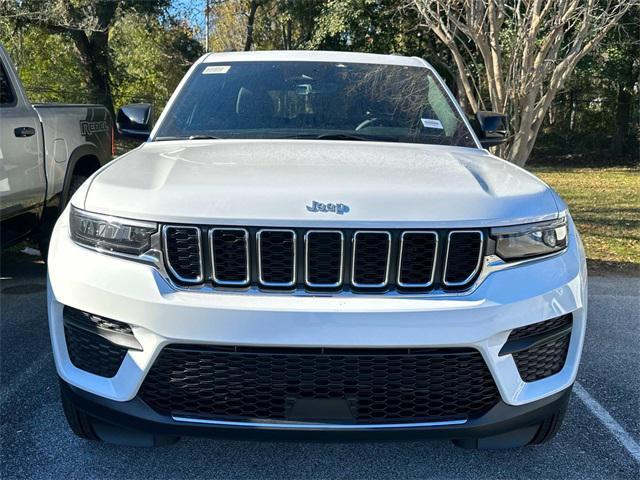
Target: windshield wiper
203,137
190,137
342,136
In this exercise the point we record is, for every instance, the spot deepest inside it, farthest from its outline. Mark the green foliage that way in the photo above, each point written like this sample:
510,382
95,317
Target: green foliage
47,64
360,25
142,49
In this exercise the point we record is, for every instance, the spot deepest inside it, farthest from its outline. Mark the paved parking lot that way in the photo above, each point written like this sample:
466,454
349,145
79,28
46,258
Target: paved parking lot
599,439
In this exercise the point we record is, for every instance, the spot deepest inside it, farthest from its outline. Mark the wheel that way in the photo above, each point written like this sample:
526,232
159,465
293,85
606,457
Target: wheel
79,422
549,428
44,236
522,437
76,181
43,246
89,428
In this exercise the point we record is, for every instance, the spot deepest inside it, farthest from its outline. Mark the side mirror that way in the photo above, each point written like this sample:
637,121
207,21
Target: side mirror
492,128
135,120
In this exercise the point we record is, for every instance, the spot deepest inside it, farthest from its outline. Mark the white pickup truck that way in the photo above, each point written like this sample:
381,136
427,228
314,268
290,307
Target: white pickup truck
46,152
315,244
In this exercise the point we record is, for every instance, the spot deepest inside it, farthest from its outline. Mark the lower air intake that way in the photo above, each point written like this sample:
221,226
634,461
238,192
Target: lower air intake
374,385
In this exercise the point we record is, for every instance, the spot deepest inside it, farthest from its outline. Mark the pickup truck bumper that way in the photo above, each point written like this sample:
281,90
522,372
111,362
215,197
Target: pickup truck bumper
160,316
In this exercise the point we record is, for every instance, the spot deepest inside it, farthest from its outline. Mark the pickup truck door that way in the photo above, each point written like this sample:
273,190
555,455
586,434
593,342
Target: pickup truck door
22,174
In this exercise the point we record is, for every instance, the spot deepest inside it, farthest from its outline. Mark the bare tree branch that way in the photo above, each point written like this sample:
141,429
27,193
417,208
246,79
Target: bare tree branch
520,52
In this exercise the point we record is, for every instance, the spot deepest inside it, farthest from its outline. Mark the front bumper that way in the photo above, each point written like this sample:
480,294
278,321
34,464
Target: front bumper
135,416
160,315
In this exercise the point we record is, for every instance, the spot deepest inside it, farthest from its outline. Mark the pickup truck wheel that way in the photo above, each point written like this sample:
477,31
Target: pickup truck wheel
75,183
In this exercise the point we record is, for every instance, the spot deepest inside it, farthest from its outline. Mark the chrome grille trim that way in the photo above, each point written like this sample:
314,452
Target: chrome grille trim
435,259
354,254
200,277
306,260
446,258
294,259
234,283
208,280
318,426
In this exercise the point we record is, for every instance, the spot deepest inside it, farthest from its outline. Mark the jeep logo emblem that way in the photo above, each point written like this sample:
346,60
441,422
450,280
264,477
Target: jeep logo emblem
339,208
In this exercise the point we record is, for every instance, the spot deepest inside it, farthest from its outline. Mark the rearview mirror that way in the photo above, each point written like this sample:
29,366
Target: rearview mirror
135,120
492,128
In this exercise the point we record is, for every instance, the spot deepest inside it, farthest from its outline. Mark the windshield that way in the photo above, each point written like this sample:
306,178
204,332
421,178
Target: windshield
341,101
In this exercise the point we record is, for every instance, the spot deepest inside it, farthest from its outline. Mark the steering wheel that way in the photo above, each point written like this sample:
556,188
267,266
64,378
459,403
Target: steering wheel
378,120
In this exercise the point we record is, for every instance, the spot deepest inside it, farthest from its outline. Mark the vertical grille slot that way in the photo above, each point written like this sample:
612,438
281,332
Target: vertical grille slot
324,258
417,259
277,257
230,256
464,255
371,254
184,253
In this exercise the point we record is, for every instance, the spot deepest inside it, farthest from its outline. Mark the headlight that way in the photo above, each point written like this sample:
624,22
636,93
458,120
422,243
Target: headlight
110,233
531,240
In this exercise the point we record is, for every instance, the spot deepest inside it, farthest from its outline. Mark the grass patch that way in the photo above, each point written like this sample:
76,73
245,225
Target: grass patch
605,204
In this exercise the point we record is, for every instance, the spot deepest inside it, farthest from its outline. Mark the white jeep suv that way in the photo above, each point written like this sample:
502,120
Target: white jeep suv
315,244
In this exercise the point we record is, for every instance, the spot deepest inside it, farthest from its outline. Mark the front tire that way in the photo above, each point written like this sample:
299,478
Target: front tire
536,434
92,429
79,422
549,428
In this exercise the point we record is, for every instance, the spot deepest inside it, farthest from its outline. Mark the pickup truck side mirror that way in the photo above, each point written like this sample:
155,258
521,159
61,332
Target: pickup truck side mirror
492,128
135,120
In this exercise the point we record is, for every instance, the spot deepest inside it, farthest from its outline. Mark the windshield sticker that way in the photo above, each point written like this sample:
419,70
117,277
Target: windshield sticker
216,69
431,123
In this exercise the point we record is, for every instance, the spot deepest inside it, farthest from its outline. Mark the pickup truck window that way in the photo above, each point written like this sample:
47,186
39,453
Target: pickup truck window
350,101
6,93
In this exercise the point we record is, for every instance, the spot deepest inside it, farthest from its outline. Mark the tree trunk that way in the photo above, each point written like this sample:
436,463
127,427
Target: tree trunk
623,122
94,58
250,23
287,45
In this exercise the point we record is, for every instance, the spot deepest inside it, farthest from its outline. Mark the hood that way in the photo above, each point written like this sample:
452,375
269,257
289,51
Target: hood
271,183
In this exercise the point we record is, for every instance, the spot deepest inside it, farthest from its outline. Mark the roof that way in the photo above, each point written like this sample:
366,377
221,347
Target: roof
312,56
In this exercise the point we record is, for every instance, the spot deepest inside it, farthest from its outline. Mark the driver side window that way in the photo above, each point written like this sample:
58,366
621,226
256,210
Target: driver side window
7,98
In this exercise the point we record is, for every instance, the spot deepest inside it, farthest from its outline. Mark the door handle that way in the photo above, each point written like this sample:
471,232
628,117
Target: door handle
24,131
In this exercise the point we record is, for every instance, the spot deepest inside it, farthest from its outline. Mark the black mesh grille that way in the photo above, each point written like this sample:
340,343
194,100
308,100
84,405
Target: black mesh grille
370,259
378,385
230,260
542,361
324,258
277,252
463,256
417,258
540,327
93,353
183,252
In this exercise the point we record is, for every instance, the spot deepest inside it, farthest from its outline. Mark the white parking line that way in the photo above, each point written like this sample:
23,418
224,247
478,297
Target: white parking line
608,421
